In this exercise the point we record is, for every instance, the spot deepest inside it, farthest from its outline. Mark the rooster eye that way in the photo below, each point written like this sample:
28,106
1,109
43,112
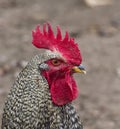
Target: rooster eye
56,62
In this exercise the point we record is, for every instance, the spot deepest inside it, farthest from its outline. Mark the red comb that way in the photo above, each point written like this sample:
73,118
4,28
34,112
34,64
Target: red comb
66,46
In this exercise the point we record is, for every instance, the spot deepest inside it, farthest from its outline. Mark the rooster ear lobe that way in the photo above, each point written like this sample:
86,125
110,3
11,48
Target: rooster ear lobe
43,66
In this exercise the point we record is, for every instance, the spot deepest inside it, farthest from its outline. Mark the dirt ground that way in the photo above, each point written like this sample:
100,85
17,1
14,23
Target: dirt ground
97,31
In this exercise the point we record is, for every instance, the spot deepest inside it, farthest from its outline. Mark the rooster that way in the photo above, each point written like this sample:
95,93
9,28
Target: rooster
43,91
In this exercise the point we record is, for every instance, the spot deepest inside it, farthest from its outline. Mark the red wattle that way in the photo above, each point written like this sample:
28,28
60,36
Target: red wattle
63,90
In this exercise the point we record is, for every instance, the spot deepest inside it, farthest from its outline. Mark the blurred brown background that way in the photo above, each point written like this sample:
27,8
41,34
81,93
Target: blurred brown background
96,29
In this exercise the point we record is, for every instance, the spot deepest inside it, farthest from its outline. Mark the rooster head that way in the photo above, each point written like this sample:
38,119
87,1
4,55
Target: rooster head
65,59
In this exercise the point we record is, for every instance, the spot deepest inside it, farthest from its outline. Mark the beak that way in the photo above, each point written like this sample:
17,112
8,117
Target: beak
79,69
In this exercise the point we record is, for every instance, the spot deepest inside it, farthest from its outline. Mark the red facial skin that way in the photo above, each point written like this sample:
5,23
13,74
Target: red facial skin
63,88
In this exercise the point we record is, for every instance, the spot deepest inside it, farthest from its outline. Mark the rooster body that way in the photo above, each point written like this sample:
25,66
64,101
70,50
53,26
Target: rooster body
32,102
